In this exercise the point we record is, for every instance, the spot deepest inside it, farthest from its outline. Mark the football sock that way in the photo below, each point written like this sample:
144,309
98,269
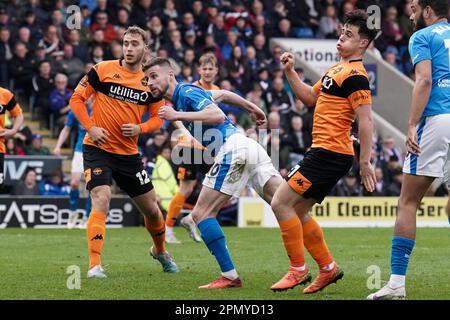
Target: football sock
292,234
88,205
175,207
232,274
95,232
74,197
449,221
157,230
400,253
214,238
169,230
316,245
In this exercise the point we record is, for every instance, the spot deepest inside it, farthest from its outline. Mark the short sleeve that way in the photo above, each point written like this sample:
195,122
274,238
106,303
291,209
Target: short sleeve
71,120
419,48
357,90
198,99
317,86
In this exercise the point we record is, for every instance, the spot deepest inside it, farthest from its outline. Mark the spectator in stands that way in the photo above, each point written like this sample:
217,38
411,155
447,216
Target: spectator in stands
380,186
101,23
123,18
154,147
190,40
163,178
36,29
24,36
296,140
156,33
43,84
36,148
21,69
72,66
142,10
232,41
261,27
211,46
389,149
243,29
6,54
59,99
279,97
329,24
200,16
394,188
98,54
12,148
170,12
263,79
54,185
391,55
175,47
406,27
23,137
80,49
391,28
27,186
51,41
217,28
284,29
348,187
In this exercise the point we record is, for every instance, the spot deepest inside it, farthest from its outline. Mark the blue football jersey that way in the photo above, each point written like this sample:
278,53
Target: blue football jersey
433,43
73,121
190,98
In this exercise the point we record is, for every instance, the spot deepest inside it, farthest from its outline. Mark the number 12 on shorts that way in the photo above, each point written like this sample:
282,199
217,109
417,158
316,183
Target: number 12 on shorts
143,177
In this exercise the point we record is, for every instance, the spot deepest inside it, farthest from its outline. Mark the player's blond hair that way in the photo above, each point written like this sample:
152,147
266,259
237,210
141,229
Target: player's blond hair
208,58
135,30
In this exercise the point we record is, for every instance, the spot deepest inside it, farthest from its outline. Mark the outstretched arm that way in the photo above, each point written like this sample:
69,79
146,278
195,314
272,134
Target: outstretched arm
303,91
232,98
211,114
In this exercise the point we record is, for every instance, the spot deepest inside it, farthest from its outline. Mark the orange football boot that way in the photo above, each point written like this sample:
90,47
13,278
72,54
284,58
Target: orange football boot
324,279
292,279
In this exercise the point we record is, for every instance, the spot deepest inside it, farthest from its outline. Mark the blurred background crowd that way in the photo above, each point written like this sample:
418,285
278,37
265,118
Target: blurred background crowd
42,60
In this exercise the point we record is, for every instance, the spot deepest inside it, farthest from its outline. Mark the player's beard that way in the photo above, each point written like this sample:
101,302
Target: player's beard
420,23
162,92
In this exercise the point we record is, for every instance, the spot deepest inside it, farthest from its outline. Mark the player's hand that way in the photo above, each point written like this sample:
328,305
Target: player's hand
57,151
167,113
411,141
287,60
131,130
7,133
259,117
98,135
368,178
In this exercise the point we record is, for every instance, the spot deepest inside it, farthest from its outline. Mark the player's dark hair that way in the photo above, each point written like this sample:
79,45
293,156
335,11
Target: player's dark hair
358,18
440,7
163,62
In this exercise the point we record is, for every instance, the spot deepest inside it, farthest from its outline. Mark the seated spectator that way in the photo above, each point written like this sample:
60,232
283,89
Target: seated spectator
391,55
394,188
54,185
36,148
21,69
27,186
101,23
51,41
329,24
80,49
163,178
24,136
297,140
71,65
380,186
279,97
43,84
13,149
59,99
284,29
348,187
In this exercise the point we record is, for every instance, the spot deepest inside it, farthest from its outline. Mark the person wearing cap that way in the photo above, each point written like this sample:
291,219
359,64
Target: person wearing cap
36,148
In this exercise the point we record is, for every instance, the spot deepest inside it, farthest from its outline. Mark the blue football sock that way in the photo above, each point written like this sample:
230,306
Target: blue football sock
449,221
88,205
400,252
214,239
74,197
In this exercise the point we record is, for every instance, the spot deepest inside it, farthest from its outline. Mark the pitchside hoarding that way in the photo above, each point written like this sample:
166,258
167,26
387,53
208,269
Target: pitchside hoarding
348,212
53,212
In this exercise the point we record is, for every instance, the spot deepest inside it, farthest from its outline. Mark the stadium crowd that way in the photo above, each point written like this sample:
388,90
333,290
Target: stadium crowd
41,57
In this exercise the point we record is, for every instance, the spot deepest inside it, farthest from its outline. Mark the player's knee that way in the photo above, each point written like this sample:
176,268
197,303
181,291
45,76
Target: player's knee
101,197
277,205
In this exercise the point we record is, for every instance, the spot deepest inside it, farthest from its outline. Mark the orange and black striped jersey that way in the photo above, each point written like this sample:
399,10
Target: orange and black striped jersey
7,103
211,87
120,97
343,89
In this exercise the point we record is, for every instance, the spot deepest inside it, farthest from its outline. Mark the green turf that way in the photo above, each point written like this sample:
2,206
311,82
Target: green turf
33,265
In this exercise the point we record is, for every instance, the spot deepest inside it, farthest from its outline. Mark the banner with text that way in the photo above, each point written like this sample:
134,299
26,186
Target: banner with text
53,212
348,212
15,166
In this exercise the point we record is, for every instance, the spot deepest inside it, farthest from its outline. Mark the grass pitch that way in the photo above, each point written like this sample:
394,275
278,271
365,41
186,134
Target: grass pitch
34,264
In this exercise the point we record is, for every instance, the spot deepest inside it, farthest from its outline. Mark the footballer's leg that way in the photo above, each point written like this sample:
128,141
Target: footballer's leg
283,203
154,223
204,214
413,190
96,229
188,223
74,198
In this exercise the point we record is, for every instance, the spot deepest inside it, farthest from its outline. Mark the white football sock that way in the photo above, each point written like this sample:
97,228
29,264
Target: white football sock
232,274
397,281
